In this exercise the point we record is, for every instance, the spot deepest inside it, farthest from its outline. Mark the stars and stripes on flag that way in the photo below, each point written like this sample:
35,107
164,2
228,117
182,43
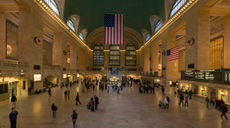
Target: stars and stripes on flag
114,29
173,53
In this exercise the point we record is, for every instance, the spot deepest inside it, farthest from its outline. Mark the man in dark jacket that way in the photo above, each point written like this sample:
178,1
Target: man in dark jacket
13,118
13,101
74,118
96,99
54,109
224,110
78,99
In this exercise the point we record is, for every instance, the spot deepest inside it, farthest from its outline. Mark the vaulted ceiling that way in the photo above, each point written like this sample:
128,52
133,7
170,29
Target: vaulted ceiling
137,12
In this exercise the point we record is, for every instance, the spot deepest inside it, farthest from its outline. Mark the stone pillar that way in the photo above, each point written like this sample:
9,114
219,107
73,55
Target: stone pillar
198,28
138,59
203,40
146,59
2,36
122,59
57,50
73,57
191,32
106,58
90,59
227,42
30,52
164,61
151,59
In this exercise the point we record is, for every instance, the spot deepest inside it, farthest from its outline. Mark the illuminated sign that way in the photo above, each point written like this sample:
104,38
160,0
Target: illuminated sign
64,75
37,77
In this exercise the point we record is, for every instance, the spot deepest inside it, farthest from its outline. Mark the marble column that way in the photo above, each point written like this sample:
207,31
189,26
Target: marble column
2,36
203,40
151,59
73,57
106,58
227,42
198,28
122,59
57,49
30,25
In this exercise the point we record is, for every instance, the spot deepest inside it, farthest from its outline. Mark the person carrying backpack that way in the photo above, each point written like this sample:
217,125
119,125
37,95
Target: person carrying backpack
74,118
13,101
54,109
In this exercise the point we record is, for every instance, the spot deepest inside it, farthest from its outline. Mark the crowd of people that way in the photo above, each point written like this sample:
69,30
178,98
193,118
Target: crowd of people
145,87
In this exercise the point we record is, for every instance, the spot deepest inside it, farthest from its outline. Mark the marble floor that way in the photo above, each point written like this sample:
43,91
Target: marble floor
127,110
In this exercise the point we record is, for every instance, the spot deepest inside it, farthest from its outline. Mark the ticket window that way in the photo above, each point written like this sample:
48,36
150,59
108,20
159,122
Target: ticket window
223,94
203,91
185,87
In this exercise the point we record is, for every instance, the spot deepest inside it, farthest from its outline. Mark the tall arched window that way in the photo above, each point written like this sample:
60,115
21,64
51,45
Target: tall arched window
147,37
81,36
114,55
98,55
53,5
130,55
158,26
71,25
176,6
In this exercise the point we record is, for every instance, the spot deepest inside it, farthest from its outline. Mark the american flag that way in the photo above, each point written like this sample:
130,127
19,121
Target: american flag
173,53
114,29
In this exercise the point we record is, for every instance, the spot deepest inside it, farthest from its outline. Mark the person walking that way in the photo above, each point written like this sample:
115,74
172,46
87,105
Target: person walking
13,101
118,90
65,93
168,100
78,99
207,102
190,94
74,118
49,92
96,99
163,90
68,94
92,103
186,100
181,99
54,109
13,118
224,110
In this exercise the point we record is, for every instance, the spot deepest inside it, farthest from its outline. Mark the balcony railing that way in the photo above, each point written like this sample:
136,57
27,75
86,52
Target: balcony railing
221,76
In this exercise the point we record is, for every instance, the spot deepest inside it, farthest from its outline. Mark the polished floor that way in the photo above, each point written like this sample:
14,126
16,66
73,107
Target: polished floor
127,110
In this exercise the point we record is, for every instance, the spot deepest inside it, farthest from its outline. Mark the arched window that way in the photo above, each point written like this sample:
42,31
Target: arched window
130,55
158,26
147,37
176,6
146,34
71,25
53,5
81,36
98,55
114,55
